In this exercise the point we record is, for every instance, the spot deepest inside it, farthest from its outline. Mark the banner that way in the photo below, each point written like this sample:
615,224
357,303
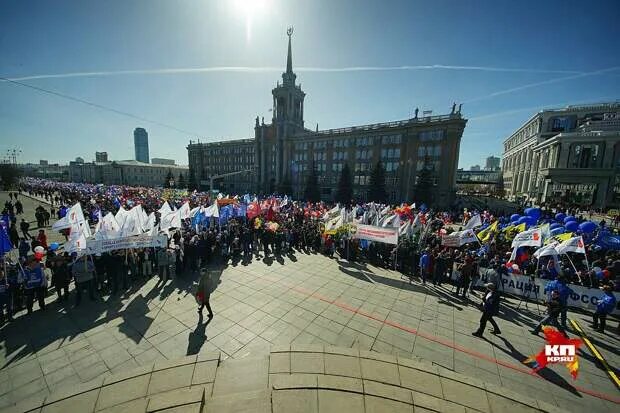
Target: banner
378,234
98,246
533,288
459,238
531,238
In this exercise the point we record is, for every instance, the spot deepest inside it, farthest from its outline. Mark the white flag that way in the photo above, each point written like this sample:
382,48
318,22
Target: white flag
574,244
171,220
212,211
546,250
165,209
107,228
184,210
531,238
473,222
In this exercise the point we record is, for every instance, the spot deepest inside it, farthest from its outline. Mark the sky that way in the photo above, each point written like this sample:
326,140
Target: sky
190,69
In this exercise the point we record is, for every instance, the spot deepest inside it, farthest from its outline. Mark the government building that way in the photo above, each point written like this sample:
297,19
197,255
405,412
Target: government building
569,155
285,151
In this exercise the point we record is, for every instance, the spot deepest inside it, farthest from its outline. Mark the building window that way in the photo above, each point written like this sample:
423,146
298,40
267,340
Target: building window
431,135
559,124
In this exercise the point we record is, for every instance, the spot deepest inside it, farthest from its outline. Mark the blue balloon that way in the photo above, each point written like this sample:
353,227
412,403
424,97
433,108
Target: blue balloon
523,220
54,246
569,219
555,225
514,217
587,227
533,212
560,217
557,231
571,226
531,221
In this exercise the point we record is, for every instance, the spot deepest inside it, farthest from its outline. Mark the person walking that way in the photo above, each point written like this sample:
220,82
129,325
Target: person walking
604,305
205,286
5,298
564,292
553,312
489,308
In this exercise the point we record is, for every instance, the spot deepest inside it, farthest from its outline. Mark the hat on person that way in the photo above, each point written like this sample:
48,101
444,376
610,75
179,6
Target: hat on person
490,286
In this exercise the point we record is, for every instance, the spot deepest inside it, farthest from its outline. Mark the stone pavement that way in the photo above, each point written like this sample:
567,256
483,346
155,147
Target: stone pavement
299,299
296,378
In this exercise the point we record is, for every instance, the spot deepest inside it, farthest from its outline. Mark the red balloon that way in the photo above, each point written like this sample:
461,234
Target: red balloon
38,256
606,273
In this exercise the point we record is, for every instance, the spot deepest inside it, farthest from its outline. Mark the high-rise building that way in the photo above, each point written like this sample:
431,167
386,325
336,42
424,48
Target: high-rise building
475,168
492,163
566,155
282,153
101,156
141,144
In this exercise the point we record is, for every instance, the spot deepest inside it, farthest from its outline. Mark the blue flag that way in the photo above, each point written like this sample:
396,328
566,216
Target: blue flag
5,244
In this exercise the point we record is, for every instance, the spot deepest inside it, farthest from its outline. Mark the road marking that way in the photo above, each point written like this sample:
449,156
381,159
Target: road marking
436,339
596,353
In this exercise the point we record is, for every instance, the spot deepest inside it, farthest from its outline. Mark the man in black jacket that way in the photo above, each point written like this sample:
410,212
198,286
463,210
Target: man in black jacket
490,308
554,307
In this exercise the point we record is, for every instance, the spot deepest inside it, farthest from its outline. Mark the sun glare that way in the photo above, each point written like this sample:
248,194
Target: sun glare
250,10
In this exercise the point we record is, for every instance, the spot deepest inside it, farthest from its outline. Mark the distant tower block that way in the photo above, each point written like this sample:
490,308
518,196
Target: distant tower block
141,144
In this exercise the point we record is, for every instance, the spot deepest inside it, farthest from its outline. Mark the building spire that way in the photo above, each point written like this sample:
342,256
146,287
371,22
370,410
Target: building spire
289,57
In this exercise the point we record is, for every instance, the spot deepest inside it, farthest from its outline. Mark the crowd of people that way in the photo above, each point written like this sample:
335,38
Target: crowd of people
280,228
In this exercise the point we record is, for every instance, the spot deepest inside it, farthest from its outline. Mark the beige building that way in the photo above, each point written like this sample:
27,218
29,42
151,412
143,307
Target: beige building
129,172
569,155
285,150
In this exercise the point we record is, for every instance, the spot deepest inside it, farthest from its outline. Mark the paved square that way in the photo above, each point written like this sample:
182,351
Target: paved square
303,299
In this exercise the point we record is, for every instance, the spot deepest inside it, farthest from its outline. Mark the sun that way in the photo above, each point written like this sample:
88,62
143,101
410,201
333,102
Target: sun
250,10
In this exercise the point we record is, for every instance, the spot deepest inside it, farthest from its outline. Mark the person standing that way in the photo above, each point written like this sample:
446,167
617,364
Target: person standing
5,297
604,305
84,272
60,278
203,293
24,227
163,264
34,284
490,308
14,236
553,311
425,263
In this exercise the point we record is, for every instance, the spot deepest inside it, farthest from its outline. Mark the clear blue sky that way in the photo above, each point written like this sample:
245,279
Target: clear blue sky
556,45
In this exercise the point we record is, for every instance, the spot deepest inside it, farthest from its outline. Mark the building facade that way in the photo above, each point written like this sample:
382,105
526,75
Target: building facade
163,161
101,156
284,151
568,155
141,145
128,172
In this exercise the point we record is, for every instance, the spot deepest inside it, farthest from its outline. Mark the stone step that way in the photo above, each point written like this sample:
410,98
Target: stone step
258,401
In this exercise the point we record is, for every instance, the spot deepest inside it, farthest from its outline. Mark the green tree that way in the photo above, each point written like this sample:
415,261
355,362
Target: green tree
285,187
312,192
344,192
9,175
192,184
169,179
377,191
424,185
181,184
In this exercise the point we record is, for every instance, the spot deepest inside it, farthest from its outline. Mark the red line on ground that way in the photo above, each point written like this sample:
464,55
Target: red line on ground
446,343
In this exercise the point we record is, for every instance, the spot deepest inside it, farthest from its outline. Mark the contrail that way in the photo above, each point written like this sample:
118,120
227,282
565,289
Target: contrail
544,82
269,69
